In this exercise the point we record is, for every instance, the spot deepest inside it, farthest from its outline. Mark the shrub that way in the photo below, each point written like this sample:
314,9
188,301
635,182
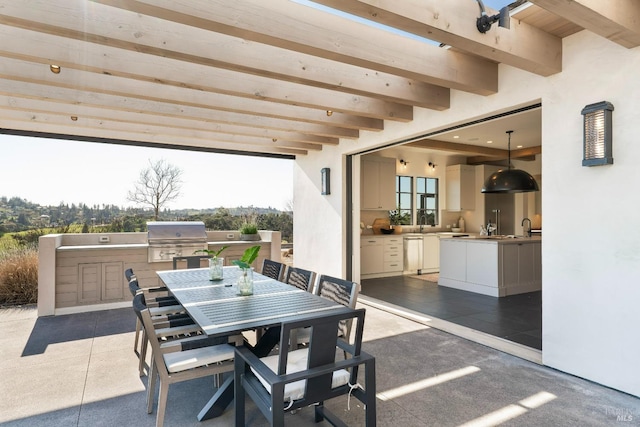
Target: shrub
19,276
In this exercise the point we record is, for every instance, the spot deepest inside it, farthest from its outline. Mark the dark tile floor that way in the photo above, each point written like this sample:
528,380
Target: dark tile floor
517,318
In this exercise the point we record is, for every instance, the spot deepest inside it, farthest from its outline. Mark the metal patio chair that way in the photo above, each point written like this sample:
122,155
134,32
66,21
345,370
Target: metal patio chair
294,379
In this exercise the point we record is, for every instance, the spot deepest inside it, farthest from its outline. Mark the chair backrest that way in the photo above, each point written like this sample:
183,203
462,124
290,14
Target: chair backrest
322,348
193,261
337,290
272,269
134,287
300,278
341,291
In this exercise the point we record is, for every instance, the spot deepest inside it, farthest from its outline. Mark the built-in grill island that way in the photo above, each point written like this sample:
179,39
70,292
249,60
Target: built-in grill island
168,239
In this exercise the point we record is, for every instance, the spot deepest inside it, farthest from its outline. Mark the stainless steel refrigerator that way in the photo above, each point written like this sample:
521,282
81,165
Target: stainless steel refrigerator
499,209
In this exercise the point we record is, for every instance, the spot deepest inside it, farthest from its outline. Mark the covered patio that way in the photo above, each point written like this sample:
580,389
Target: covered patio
297,81
80,370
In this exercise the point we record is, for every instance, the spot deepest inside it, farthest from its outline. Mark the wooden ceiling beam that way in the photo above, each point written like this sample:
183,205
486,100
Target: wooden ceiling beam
134,96
616,20
201,87
72,112
454,147
453,23
303,29
195,46
160,140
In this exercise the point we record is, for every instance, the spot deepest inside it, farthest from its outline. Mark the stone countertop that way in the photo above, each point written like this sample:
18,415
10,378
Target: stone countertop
101,246
503,240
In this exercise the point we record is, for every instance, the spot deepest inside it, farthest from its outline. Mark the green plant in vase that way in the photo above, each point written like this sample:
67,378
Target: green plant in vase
245,281
215,262
397,219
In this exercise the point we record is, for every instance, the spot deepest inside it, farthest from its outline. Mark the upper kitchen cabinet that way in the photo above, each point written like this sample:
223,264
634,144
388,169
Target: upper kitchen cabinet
461,187
378,183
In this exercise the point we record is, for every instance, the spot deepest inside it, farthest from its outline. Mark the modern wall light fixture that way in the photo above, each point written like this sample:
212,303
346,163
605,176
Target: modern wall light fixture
404,163
432,165
597,134
325,183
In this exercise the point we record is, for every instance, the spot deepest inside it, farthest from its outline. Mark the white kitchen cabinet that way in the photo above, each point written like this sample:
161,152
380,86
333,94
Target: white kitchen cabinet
393,254
453,260
378,186
491,267
381,256
482,264
371,255
460,182
431,253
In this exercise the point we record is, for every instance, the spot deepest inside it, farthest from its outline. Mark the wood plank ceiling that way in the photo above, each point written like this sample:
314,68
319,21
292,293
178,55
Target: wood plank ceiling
275,78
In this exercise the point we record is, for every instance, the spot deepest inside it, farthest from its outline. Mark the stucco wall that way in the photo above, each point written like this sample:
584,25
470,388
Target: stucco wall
591,247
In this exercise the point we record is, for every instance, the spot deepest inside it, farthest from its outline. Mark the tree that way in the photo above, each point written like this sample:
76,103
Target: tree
158,184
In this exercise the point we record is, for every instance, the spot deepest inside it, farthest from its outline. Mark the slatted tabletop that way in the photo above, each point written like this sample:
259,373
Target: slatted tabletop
219,310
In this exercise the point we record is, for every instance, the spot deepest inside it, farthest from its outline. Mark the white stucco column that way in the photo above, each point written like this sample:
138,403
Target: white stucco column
47,273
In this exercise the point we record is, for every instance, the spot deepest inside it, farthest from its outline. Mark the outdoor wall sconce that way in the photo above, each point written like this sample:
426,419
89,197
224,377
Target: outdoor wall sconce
597,134
325,183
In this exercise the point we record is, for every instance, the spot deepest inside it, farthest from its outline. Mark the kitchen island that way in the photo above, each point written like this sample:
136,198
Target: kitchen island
497,265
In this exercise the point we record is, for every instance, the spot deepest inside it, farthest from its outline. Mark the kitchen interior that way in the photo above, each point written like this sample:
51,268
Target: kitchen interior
461,255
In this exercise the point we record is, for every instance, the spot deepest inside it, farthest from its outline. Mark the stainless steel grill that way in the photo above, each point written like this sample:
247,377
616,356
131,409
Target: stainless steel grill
168,239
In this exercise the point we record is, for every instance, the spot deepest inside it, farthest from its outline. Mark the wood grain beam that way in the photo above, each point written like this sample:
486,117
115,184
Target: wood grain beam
163,141
454,147
453,23
303,29
616,20
198,82
152,97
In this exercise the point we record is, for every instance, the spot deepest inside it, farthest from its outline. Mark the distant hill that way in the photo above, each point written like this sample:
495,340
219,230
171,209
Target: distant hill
17,214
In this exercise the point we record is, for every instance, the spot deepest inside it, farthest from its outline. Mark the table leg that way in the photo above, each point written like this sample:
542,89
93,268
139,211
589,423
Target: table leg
219,402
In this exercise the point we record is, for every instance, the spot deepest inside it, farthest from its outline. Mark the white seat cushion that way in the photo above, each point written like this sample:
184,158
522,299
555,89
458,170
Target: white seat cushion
189,359
296,362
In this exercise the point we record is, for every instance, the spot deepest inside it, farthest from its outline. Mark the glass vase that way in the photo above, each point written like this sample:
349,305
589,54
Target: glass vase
245,282
215,268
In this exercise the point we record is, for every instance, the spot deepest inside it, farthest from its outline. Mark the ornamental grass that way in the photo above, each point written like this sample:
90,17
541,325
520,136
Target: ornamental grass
19,276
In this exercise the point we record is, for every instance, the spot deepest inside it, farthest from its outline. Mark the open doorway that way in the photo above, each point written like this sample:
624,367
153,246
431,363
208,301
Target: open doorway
481,145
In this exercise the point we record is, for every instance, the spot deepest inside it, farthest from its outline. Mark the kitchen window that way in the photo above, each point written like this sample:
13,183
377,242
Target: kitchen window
404,197
427,200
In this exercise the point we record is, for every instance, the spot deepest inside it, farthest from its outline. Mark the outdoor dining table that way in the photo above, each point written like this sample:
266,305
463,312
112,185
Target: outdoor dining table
219,310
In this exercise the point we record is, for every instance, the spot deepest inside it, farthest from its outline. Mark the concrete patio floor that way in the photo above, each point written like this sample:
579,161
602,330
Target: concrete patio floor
80,370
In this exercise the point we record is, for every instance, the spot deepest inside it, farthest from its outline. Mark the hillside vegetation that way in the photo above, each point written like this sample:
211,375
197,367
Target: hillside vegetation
23,222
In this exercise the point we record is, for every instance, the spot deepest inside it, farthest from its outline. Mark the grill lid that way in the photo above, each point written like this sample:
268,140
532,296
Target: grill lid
176,232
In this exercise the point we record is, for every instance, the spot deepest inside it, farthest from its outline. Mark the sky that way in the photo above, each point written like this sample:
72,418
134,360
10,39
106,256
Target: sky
48,172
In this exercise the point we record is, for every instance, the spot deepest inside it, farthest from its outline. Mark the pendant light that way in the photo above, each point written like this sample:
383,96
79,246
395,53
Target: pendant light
510,180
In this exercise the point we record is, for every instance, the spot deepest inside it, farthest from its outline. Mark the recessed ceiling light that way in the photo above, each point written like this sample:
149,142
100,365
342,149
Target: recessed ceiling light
55,69
518,146
489,142
456,136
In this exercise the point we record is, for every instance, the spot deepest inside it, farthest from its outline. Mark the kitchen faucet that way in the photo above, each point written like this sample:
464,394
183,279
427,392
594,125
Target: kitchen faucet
528,229
422,220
